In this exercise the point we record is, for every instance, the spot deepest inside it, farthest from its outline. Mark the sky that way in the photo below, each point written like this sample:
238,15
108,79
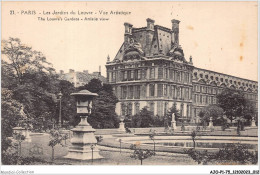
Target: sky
220,36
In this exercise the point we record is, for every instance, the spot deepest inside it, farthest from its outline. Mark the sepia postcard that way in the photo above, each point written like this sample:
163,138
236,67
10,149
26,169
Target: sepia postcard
129,87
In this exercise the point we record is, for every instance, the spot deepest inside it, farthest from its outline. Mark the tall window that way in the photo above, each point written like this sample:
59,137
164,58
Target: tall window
137,92
166,73
123,92
143,74
151,86
171,74
137,108
181,95
123,109
113,76
166,108
173,91
160,90
160,73
187,93
188,110
125,75
138,74
152,73
132,74
131,92
128,74
129,110
170,90
178,76
165,89
181,111
110,76
151,107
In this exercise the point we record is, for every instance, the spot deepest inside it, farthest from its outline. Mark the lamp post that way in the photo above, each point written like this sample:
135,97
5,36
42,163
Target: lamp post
92,148
59,96
120,141
83,141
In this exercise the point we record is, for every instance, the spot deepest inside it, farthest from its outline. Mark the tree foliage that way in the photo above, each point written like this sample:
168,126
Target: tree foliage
34,84
140,154
22,59
232,102
168,116
10,113
232,154
103,113
143,119
213,111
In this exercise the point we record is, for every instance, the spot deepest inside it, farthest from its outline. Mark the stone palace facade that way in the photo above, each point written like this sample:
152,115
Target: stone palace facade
150,70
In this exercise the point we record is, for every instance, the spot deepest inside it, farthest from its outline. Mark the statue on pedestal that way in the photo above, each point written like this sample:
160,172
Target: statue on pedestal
173,122
210,122
122,125
253,122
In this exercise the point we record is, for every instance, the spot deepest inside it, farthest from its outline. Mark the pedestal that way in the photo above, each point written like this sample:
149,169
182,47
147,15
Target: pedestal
27,136
24,132
82,139
121,126
211,124
253,123
173,125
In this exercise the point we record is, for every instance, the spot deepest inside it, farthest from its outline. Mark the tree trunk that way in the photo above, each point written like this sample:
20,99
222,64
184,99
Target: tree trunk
141,161
20,149
194,144
52,154
154,146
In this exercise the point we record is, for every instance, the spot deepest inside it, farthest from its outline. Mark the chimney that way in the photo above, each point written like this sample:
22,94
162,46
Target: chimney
108,59
128,32
175,32
85,71
71,71
191,60
149,35
150,24
99,70
61,72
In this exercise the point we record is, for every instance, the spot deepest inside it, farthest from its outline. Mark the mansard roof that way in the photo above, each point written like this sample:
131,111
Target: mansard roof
148,43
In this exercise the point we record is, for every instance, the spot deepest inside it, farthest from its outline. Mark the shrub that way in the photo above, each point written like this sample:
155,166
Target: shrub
140,154
235,153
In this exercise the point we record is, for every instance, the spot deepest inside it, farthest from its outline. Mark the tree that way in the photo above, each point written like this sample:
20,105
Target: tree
213,111
103,113
232,102
143,119
236,106
172,110
21,58
68,103
10,113
55,138
151,136
140,154
34,84
19,138
193,137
